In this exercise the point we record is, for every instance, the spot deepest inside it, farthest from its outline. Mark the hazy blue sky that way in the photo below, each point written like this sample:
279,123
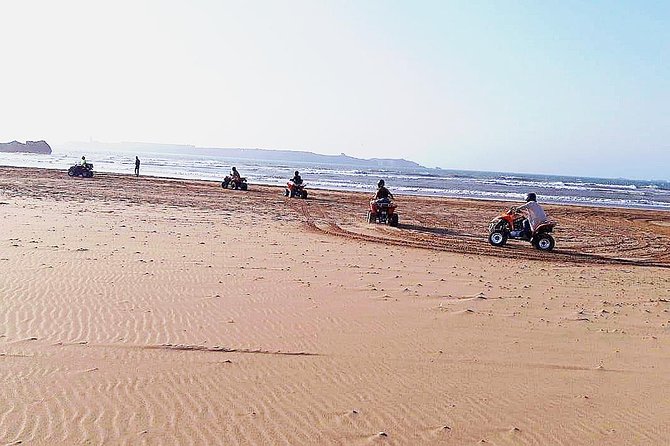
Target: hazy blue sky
570,87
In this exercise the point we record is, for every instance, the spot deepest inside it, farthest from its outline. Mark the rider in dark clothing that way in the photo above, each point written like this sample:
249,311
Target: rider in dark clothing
235,178
297,179
382,192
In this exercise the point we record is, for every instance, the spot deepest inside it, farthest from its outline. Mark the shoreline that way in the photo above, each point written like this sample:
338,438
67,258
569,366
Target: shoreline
436,223
418,194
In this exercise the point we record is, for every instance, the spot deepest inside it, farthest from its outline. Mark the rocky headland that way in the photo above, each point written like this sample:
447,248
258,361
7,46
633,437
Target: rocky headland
28,147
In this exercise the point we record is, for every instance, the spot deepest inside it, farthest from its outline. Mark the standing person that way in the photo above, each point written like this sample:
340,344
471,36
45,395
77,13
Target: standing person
137,167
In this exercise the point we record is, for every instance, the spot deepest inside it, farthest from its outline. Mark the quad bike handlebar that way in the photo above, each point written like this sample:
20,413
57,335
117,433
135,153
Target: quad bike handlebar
376,202
511,211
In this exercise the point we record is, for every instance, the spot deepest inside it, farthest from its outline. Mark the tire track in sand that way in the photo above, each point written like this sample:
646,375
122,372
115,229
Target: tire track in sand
318,221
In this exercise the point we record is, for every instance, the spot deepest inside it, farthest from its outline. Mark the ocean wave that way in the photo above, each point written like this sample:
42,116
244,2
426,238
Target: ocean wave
479,185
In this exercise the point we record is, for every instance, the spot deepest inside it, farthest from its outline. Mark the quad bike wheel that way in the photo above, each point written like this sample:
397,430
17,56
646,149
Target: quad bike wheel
371,217
70,171
544,242
243,186
286,192
498,238
304,195
88,174
393,221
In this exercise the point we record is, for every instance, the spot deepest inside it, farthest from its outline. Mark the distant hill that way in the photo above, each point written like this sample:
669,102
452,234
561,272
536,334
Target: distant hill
28,147
289,156
311,157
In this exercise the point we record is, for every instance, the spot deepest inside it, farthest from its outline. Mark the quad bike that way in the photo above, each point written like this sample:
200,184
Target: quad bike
383,212
233,183
295,190
510,225
85,171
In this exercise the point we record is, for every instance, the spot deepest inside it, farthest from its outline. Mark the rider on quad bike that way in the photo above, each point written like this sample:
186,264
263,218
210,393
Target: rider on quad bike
295,187
382,209
534,214
82,169
527,222
297,179
234,180
235,174
383,195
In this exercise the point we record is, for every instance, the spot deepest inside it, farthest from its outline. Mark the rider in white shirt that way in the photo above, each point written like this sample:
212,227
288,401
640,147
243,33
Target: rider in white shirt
533,212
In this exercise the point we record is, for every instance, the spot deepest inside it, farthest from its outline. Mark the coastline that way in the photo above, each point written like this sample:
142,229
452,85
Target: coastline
144,310
436,223
491,186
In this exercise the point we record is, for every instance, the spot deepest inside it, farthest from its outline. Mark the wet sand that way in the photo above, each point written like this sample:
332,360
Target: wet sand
152,311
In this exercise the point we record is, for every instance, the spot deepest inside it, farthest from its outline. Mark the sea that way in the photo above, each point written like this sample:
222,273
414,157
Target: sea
504,186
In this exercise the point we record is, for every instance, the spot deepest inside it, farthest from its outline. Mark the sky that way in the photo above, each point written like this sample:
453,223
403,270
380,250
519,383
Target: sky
564,87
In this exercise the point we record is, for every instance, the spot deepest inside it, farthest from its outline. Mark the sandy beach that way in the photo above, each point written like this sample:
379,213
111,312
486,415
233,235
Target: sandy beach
156,311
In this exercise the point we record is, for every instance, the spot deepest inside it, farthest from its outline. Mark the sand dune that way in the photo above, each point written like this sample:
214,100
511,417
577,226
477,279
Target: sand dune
149,311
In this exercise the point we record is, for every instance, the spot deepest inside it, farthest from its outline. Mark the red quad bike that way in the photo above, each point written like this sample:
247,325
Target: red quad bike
295,190
383,212
232,183
509,225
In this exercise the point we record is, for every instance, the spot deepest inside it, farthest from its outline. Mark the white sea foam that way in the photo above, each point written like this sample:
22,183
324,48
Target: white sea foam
480,185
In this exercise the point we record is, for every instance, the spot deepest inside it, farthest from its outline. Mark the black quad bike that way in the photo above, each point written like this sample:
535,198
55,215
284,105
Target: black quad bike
234,183
85,171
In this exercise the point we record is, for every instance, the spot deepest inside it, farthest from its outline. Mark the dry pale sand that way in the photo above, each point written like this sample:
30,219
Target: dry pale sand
148,311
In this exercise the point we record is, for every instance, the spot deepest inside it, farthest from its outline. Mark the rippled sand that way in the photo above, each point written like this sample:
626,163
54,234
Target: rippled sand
148,311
